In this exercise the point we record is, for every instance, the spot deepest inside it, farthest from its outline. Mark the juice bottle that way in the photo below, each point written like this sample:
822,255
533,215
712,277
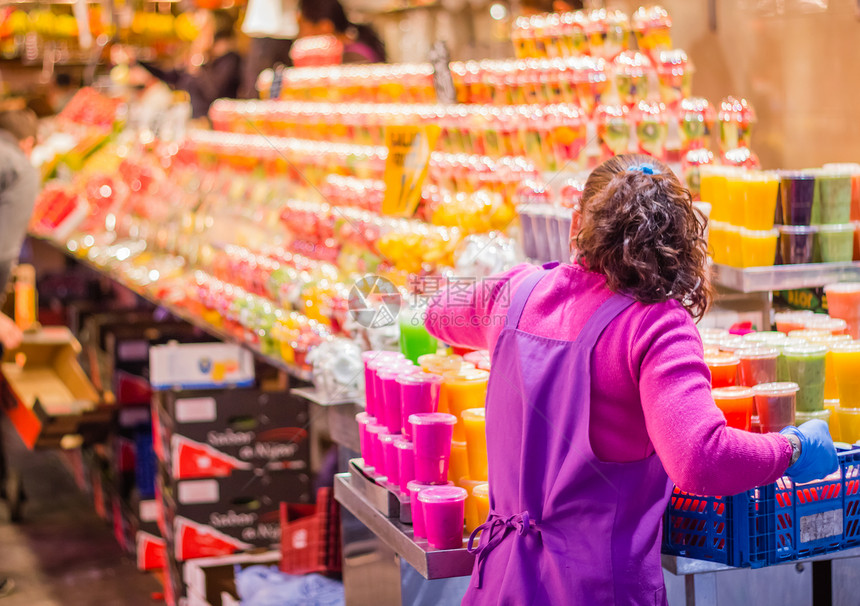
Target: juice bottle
25,296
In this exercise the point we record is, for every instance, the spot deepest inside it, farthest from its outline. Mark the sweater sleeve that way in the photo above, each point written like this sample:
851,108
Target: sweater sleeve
471,313
699,452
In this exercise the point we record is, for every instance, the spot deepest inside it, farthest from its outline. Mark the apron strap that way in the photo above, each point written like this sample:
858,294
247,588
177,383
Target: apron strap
493,532
522,294
601,318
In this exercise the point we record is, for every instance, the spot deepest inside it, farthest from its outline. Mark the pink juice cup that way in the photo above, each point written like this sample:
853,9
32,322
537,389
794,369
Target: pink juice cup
432,434
444,514
375,432
406,463
364,420
372,361
389,452
843,302
419,393
414,488
381,369
776,405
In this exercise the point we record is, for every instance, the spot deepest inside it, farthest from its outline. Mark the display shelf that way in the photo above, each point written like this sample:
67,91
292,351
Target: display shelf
430,563
784,277
183,314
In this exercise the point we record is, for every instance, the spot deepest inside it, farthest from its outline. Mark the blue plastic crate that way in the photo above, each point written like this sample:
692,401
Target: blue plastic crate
145,464
770,524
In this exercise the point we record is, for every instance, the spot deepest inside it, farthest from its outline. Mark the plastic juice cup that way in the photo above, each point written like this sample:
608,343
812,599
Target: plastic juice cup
391,404
736,194
846,368
481,494
431,434
465,390
718,241
849,424
472,521
724,369
375,433
803,417
805,365
797,243
440,364
834,197
809,335
419,392
364,420
775,403
843,302
405,462
787,321
731,343
836,242
771,338
444,514
371,359
415,341
716,333
381,365
389,452
757,365
459,465
835,429
758,248
736,403
822,322
797,195
414,488
760,201
476,442
734,246
713,188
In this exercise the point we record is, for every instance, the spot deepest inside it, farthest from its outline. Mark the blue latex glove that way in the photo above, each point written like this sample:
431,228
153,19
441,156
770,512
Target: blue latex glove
817,453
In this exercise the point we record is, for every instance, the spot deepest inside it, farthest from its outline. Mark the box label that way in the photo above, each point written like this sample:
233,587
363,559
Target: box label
201,491
821,525
196,410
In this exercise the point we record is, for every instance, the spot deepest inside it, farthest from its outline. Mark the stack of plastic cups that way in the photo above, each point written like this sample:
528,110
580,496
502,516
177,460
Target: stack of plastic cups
776,405
846,365
758,236
843,302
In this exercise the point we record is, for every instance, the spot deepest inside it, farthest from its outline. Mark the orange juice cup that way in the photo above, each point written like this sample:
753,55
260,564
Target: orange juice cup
846,368
724,369
758,248
713,188
760,200
736,403
465,390
481,494
843,302
476,442
736,197
835,429
459,464
718,241
734,247
849,424
472,519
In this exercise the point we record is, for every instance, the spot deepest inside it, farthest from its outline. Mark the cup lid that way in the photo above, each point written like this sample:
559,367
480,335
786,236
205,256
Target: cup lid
732,343
776,389
809,416
804,349
828,324
481,490
732,393
474,413
806,334
713,332
389,437
404,444
759,233
443,494
758,353
836,228
432,418
377,428
798,230
828,339
795,313
722,359
469,375
843,287
846,346
376,354
363,418
415,485
414,378
393,372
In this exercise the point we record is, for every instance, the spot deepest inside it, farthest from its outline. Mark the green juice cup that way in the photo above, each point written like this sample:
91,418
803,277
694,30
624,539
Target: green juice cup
834,198
805,365
415,341
836,242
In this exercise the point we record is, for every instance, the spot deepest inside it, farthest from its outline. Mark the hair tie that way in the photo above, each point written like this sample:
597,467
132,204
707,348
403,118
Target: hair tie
647,169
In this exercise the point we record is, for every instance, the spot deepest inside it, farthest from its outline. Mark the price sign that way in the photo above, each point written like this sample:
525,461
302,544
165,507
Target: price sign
409,149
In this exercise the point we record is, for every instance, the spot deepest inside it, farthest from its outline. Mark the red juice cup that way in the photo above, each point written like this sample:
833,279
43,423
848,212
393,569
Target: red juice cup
757,365
843,302
392,462
375,432
736,404
414,488
776,405
419,393
444,515
364,420
724,369
405,462
432,434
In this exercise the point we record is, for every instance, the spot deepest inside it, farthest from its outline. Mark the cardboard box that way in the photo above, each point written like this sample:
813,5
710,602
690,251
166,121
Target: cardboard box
127,344
221,516
200,366
212,433
213,580
150,551
46,394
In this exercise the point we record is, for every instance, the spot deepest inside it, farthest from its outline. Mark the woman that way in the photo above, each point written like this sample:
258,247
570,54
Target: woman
214,67
327,17
598,390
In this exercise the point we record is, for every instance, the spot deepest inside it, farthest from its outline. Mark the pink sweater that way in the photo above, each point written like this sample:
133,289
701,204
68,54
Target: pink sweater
650,386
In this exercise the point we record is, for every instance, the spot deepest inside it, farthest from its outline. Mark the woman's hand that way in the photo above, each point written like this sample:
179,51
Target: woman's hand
10,334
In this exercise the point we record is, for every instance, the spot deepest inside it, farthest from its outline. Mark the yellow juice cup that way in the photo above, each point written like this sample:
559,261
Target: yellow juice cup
464,390
734,246
481,494
713,189
472,519
835,430
760,200
717,241
846,366
476,442
758,248
458,466
736,195
849,424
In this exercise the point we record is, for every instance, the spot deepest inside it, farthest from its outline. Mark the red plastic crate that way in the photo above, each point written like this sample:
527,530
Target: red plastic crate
310,536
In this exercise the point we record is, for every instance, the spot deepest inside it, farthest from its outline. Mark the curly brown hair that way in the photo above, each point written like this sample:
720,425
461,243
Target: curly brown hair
640,229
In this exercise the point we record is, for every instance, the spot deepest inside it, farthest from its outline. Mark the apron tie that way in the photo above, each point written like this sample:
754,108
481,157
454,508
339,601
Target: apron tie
496,529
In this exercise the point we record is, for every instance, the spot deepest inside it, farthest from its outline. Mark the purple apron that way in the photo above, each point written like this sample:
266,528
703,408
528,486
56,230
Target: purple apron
564,527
